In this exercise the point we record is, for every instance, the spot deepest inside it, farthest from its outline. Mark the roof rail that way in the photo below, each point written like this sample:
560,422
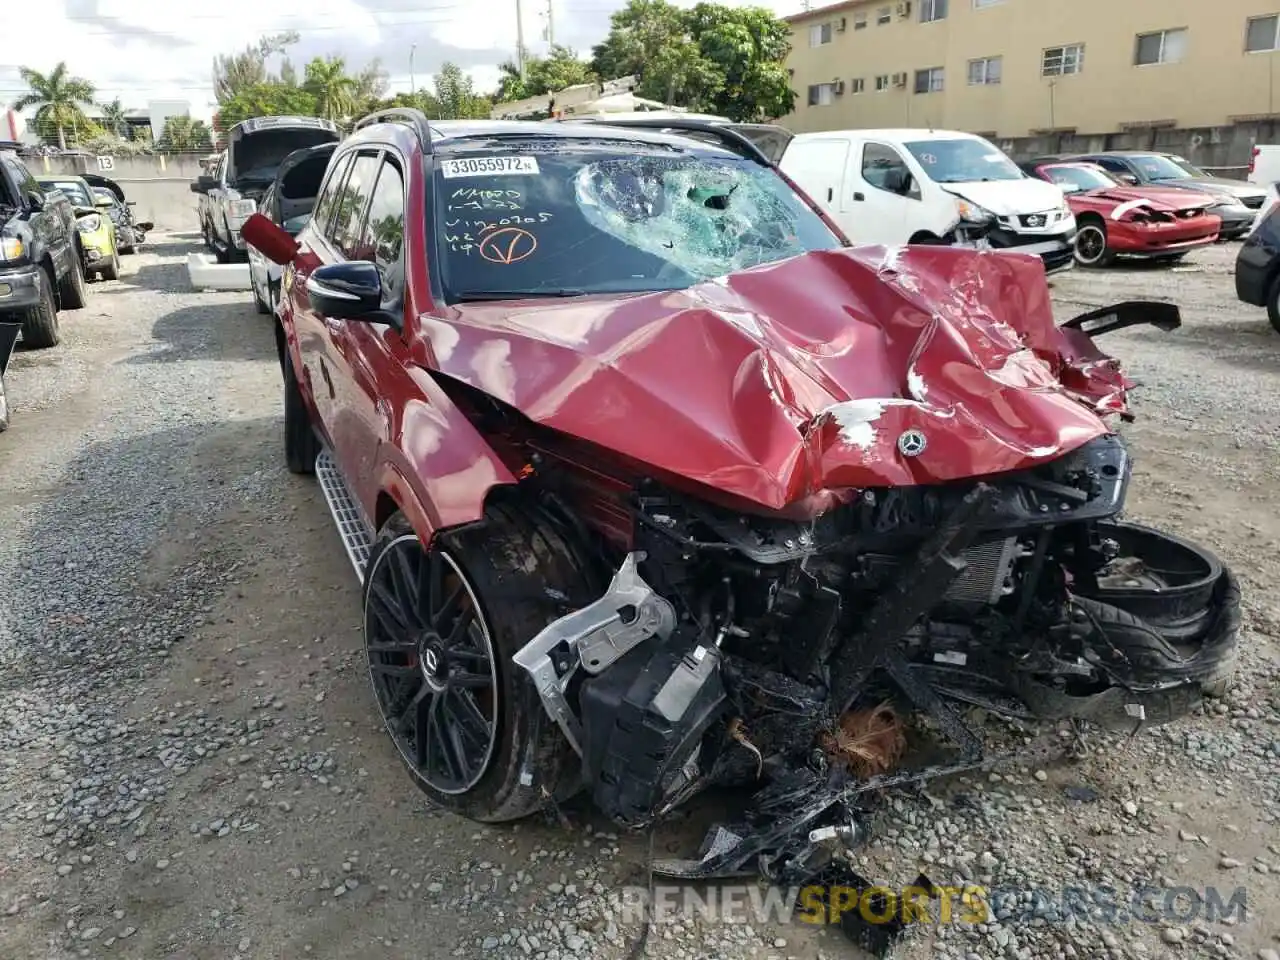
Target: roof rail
415,118
733,140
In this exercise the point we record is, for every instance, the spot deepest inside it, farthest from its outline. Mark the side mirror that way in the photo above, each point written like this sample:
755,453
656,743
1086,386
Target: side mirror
131,203
103,202
347,291
196,188
145,226
1128,178
35,200
269,240
84,211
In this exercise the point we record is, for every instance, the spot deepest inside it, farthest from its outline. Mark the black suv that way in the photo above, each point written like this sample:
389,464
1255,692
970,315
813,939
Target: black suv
1258,266
41,270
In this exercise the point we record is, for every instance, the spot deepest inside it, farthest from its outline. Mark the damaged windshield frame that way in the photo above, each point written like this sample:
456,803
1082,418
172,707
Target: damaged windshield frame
808,231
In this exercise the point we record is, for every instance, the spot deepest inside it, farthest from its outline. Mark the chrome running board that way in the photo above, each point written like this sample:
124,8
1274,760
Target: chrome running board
357,538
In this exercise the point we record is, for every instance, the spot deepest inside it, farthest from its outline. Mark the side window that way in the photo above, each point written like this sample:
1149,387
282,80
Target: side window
328,199
1111,164
21,176
352,200
884,168
382,239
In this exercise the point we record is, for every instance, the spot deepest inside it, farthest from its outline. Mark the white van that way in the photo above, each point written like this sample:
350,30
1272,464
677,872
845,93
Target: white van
931,186
1264,164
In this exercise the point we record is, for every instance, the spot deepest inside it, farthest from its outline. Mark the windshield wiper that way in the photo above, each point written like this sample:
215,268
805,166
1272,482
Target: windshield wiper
480,296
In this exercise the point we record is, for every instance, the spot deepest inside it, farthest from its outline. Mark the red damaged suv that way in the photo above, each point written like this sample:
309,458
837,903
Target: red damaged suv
654,483
1116,219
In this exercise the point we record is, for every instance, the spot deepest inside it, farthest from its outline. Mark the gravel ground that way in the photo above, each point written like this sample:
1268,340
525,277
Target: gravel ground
191,765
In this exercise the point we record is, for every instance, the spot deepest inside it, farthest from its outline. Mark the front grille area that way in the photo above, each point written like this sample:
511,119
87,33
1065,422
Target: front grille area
1034,219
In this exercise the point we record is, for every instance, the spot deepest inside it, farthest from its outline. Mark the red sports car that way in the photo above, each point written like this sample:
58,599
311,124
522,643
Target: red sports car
1117,219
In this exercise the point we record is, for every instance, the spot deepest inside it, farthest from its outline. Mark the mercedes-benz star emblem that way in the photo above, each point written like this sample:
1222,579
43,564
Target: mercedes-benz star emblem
912,443
432,661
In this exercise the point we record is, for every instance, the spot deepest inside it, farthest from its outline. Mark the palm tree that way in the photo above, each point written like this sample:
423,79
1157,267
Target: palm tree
113,118
335,91
57,98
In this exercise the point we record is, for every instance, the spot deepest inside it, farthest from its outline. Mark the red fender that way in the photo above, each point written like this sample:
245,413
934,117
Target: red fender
438,468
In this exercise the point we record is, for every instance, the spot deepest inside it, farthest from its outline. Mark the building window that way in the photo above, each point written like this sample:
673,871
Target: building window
884,15
929,81
882,83
981,4
1061,61
1166,46
821,94
857,85
819,34
1262,34
860,21
931,10
985,72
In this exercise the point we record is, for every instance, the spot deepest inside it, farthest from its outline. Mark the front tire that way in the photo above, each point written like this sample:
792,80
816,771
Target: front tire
112,270
1091,246
300,444
73,294
441,628
258,303
40,323
4,407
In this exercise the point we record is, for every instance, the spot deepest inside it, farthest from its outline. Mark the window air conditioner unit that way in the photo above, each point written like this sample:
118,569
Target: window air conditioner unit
841,25
899,79
838,87
904,9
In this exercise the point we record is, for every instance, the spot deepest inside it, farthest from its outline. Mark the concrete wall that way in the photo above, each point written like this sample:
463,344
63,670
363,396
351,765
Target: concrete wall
161,184
1215,84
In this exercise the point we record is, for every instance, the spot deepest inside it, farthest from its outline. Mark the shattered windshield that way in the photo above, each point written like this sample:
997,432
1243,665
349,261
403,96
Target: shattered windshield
962,161
527,220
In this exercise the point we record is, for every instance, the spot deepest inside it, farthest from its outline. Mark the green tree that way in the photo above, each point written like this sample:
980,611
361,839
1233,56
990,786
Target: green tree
419,100
181,134
237,72
265,100
335,92
559,69
726,60
456,95
58,97
113,119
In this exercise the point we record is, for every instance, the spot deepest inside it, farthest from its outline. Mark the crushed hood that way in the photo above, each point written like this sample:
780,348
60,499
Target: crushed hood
1006,198
788,381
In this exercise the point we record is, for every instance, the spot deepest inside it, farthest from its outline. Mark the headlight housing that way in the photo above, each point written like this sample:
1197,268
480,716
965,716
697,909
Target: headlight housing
972,213
89,224
11,248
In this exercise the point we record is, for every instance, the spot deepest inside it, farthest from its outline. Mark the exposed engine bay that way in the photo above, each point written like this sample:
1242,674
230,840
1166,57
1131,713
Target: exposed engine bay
731,648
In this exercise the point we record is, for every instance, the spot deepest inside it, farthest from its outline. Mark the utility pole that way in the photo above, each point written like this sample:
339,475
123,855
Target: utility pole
520,39
551,28
413,86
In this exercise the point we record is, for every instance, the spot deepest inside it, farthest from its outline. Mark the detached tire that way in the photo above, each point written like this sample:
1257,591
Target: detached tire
40,323
73,294
441,628
300,444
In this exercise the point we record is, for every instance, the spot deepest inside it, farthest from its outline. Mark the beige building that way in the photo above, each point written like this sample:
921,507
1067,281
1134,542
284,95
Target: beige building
1015,68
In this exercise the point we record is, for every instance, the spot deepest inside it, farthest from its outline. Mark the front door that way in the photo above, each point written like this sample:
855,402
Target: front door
883,195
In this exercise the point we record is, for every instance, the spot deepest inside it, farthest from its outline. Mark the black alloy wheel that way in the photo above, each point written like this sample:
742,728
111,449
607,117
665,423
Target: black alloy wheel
431,661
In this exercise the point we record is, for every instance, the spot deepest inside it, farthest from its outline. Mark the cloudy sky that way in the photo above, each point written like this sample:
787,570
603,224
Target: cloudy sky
140,50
